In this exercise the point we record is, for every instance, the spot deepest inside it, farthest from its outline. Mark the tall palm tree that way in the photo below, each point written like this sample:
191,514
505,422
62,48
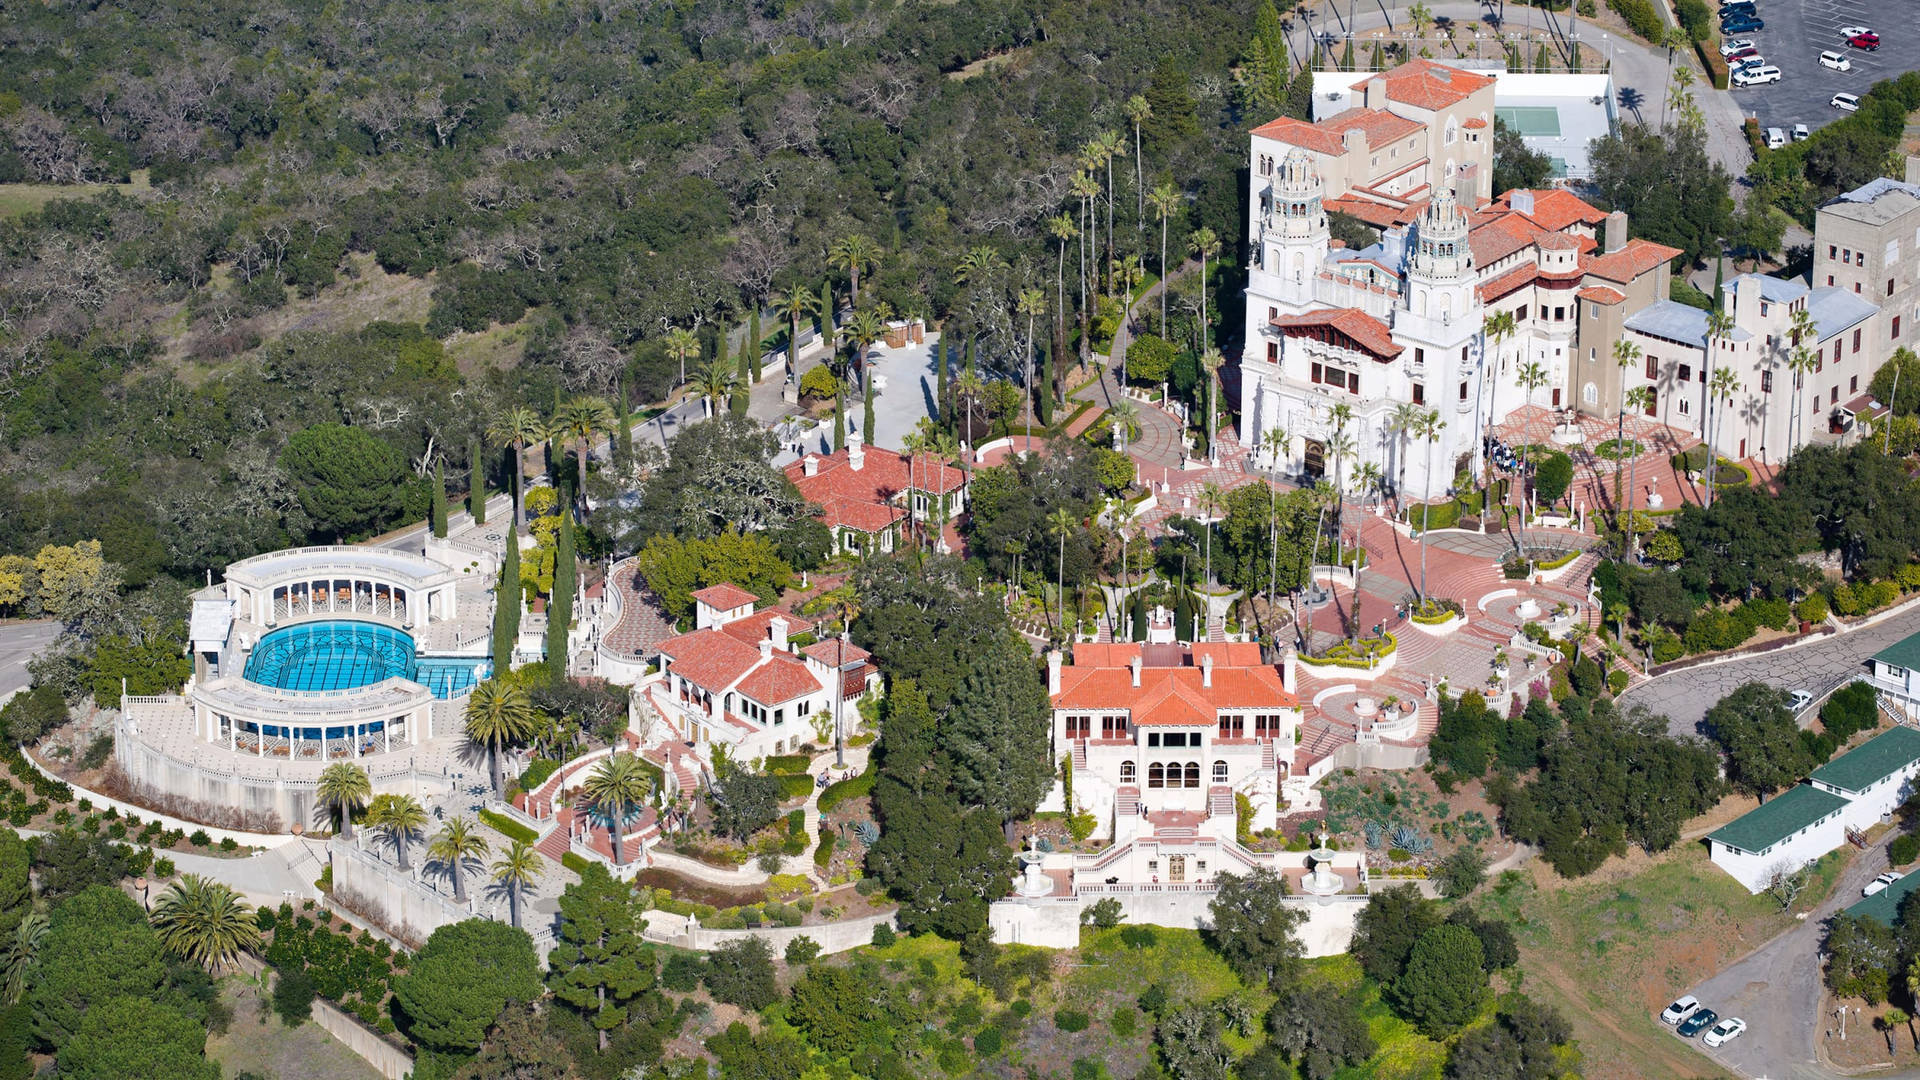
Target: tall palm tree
454,846
1211,361
1276,440
580,419
17,953
1111,145
862,331
1213,503
1719,326
714,382
342,789
1721,388
1125,415
1497,328
517,427
1803,358
1086,189
912,445
969,389
515,870
1368,479
204,922
1340,447
1531,376
1138,110
1031,302
796,304
682,345
497,714
616,787
942,448
400,818
1627,355
1060,524
1165,199
1060,226
1204,243
853,251
1404,417
1427,426
1639,398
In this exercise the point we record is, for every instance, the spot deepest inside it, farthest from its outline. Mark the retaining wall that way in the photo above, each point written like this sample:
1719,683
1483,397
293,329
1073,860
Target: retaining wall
387,1059
1055,923
265,840
833,937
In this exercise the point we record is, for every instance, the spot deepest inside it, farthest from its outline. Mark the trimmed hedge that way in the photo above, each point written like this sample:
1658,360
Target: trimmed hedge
823,852
787,763
537,773
508,827
846,789
1558,562
1641,18
794,785
574,861
1708,49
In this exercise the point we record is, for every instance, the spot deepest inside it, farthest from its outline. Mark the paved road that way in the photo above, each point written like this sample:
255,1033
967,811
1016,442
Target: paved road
19,642
1685,696
1797,32
1776,989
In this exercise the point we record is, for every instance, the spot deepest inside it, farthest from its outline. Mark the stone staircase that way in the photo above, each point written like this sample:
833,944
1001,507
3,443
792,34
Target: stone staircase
1220,801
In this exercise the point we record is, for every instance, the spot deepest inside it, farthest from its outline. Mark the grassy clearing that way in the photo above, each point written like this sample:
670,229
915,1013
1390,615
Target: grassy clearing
257,1042
1609,951
17,199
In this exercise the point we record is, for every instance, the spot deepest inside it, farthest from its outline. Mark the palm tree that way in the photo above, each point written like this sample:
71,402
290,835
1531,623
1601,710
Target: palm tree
979,262
1497,327
517,427
796,304
1213,503
1640,398
400,817
861,331
1276,440
968,391
1211,361
617,786
1086,189
342,789
204,922
1627,355
1719,326
1031,302
853,251
714,382
16,956
1138,110
516,869
1404,417
682,345
1800,361
498,713
580,419
1111,145
943,448
1367,478
1531,376
1427,426
1060,226
1204,243
454,846
1724,384
1126,416
1060,524
1340,447
1165,199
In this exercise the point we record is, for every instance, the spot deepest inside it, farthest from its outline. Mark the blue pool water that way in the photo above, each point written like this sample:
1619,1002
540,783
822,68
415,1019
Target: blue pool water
342,654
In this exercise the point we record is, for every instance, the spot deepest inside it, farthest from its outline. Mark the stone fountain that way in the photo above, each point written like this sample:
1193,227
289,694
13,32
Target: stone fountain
1032,882
1322,881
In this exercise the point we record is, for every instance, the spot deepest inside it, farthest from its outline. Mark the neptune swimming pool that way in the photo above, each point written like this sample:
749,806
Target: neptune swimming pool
343,654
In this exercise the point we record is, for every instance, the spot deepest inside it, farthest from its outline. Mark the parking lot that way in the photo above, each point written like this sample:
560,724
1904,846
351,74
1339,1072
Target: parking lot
1798,31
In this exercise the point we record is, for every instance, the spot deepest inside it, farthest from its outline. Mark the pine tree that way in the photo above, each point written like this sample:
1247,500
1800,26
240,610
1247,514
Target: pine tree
439,510
999,715
508,600
476,482
756,345
1268,66
866,415
599,966
560,603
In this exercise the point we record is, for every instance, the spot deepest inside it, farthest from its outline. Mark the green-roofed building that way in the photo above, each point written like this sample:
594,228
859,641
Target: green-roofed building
1885,904
1874,777
1896,673
1779,836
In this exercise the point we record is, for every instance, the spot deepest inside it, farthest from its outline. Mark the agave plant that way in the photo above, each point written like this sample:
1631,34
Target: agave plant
867,831
1412,840
1374,831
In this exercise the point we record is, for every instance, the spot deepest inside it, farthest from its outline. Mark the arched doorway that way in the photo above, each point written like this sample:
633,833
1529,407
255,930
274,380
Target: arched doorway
1315,461
1176,868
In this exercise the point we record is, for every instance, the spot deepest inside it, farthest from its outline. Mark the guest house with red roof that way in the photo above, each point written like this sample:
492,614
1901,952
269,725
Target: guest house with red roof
869,495
755,681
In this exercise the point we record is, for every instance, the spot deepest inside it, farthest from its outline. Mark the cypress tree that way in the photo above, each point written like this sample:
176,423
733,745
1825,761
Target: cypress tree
476,483
1045,395
439,510
509,598
1183,615
840,420
1346,56
827,327
756,345
1140,615
560,602
742,379
940,359
623,435
866,415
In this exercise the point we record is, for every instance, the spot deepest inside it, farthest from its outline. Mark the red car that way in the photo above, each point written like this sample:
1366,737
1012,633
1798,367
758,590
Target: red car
1742,54
1869,42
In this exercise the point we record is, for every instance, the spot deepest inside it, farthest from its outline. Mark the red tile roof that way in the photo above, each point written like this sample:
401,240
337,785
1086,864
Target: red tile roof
1474,122
1379,215
726,597
1100,678
709,659
779,680
828,652
1361,329
752,628
1424,84
1632,260
862,499
1501,237
1600,294
1557,208
1302,134
1380,126
1557,241
1506,283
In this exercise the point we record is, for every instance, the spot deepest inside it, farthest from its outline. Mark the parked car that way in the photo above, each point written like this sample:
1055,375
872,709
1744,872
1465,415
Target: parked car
1855,31
1869,42
1742,25
1725,1031
1835,61
1801,699
1697,1023
1736,7
1776,138
1801,133
1845,102
1735,46
1879,884
1748,64
1743,55
1680,1009
1756,76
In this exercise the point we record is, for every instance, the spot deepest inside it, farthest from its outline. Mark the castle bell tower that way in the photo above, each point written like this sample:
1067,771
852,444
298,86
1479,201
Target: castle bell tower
1296,235
1440,276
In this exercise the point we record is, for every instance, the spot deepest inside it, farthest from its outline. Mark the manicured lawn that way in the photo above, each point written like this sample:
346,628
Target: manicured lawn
1609,952
257,1042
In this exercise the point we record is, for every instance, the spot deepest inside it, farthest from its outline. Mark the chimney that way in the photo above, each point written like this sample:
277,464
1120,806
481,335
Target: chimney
766,649
1616,231
1135,664
1053,671
810,465
1375,94
856,452
777,633
1520,201
1289,660
1355,141
1206,668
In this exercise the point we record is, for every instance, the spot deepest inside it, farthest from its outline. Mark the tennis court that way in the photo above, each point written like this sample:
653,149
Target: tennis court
1538,121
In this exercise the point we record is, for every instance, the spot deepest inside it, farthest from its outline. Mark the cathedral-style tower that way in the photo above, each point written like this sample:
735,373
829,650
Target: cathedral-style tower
1440,275
1296,236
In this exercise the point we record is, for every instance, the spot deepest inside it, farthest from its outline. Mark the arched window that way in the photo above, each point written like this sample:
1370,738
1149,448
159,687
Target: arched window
1127,773
1590,394
1219,772
1193,774
1155,777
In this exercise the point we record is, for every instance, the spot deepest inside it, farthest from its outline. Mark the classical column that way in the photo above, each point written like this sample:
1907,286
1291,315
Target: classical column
386,737
259,739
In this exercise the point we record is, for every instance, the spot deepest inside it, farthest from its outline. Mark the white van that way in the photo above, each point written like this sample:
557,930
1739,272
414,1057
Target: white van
1835,61
1776,138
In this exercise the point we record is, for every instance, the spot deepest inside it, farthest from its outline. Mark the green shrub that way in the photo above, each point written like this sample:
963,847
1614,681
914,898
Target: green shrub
293,995
198,839
802,950
1812,609
794,786
508,827
682,971
823,852
787,763
1617,680
1021,1008
1444,515
1071,1020
574,861
1904,849
1770,613
1125,1021
1557,561
1852,708
853,788
883,935
987,1041
538,771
